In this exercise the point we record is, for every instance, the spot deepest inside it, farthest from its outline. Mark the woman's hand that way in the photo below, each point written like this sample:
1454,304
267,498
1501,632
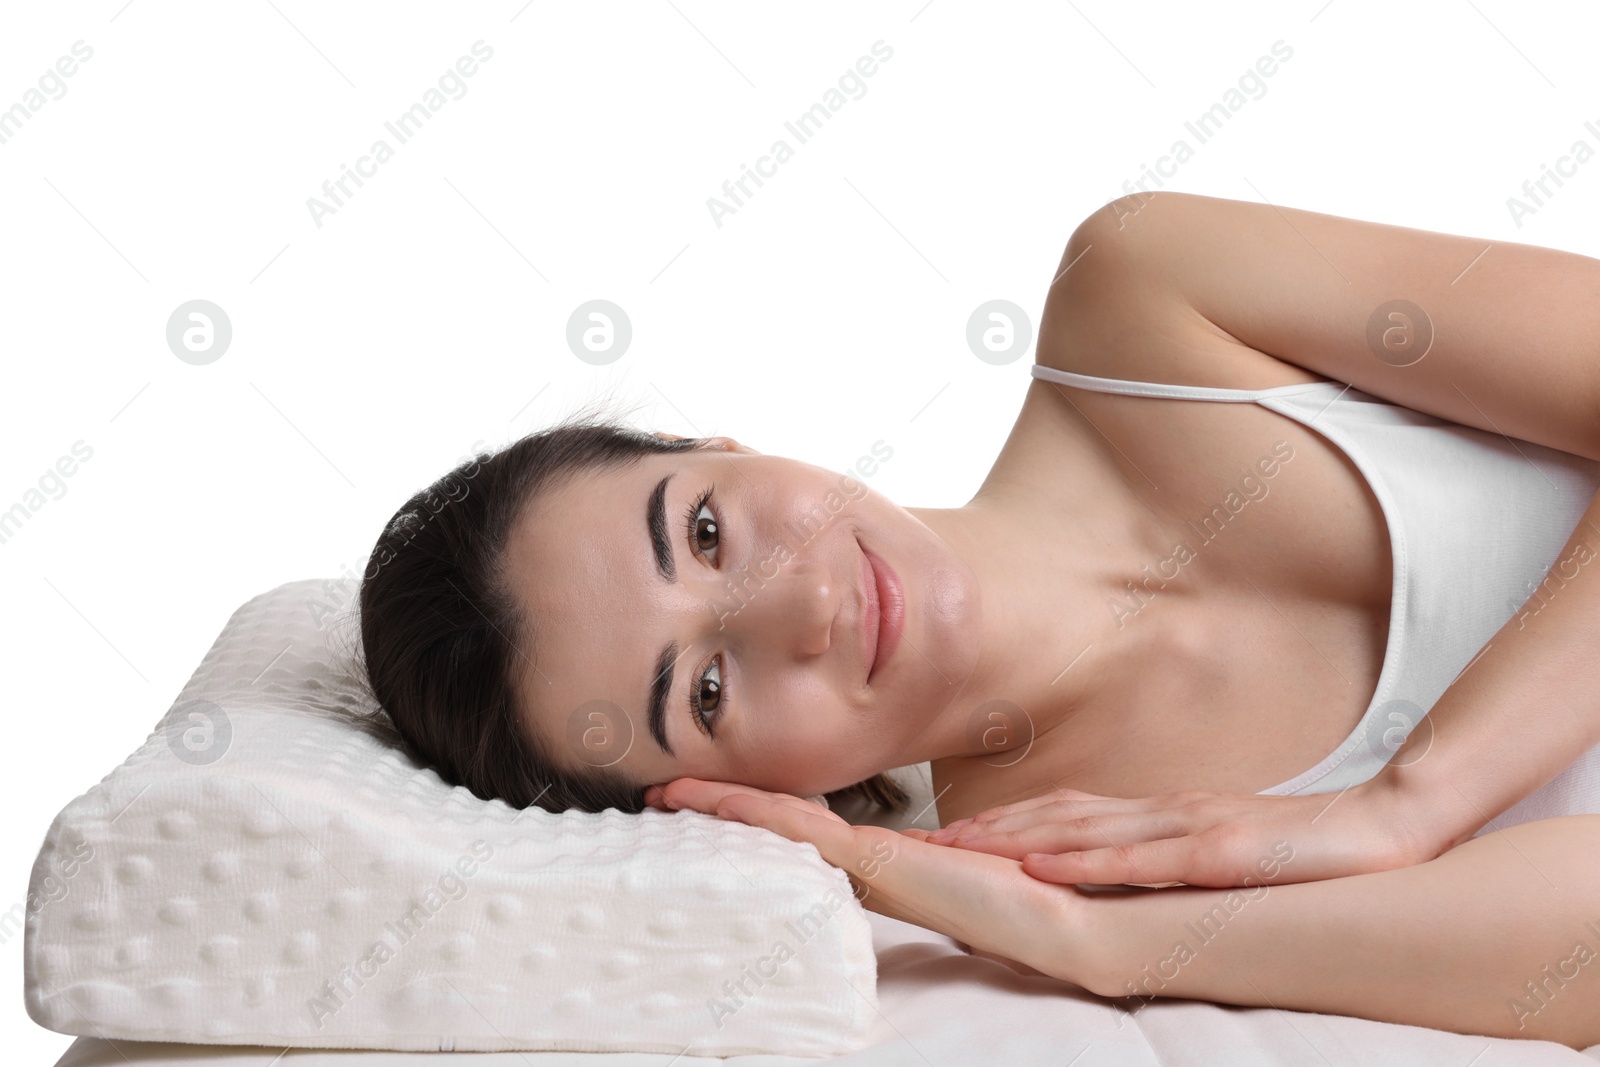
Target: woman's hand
1202,838
981,900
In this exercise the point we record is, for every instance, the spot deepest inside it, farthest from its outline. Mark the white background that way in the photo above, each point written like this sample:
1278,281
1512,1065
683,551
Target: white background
428,314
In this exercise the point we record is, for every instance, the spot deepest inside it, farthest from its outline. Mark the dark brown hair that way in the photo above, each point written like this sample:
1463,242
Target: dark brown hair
441,625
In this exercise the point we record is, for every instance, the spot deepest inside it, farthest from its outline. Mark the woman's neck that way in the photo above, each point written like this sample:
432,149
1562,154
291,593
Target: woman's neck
1052,570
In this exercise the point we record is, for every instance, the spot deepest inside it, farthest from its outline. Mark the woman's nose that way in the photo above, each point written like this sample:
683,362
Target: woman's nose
796,607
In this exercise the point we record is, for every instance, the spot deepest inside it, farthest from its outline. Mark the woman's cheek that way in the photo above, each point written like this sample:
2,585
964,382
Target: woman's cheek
814,760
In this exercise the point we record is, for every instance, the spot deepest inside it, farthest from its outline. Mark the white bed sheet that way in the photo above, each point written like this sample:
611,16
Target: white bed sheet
938,1005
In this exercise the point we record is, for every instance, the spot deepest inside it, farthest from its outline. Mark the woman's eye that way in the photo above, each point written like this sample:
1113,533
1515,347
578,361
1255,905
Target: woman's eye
709,698
706,538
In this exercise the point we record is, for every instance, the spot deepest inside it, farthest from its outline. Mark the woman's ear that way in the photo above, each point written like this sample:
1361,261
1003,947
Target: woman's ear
728,444
722,444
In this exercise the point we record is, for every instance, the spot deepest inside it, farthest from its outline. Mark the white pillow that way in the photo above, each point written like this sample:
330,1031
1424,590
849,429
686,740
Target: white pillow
266,870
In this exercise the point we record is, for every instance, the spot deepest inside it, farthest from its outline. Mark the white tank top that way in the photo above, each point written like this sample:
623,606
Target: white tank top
1475,521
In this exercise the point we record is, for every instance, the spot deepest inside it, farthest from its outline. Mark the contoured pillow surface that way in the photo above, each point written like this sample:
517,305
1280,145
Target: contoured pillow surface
266,870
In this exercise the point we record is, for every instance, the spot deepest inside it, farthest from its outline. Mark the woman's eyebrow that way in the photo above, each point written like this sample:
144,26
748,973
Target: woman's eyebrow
660,541
660,687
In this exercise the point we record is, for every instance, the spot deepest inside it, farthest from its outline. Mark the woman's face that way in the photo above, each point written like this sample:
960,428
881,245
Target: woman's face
759,617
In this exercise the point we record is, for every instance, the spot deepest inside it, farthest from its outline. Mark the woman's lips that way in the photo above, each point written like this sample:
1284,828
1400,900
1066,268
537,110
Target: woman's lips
886,603
871,620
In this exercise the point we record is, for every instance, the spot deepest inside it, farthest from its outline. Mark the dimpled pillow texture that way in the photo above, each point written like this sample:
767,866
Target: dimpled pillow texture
268,870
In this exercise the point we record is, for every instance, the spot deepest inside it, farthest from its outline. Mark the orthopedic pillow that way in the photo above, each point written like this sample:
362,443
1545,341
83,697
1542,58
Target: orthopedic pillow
265,869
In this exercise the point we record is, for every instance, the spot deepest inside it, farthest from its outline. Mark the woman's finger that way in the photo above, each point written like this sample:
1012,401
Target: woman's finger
1072,836
796,819
1032,803
1056,812
1054,807
1147,863
788,816
703,795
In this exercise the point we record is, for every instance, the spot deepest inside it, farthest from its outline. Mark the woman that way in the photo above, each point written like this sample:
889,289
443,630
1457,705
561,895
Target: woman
1123,655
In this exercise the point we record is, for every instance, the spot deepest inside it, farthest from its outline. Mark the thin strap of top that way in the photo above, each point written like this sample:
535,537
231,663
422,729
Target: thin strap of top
1181,392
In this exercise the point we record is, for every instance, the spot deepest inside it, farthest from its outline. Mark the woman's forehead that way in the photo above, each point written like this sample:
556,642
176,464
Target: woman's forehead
582,545
584,570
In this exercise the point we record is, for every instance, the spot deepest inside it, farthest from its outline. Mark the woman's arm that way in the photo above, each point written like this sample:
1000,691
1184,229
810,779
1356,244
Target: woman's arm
1512,331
